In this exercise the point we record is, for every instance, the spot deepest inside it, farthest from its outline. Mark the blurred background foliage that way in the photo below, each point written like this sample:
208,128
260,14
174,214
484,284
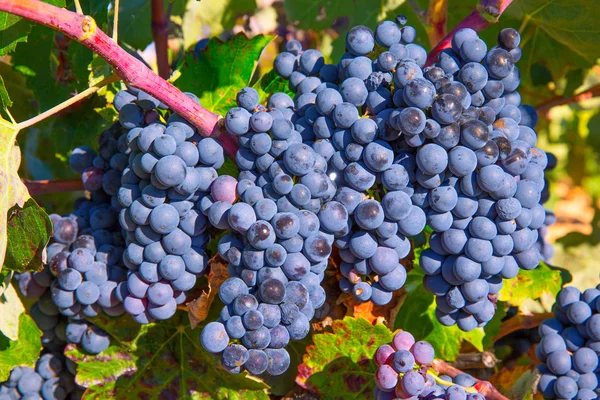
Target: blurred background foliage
560,77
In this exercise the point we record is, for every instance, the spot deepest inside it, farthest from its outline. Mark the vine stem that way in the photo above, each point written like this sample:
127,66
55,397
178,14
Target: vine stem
115,34
486,13
45,187
132,71
75,99
483,387
543,108
160,36
521,321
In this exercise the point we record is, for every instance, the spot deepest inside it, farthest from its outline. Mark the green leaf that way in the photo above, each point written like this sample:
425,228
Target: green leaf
56,72
417,315
229,168
5,101
524,387
340,364
135,20
531,285
11,309
223,69
24,351
16,86
14,30
29,229
492,328
212,16
574,23
158,360
271,83
12,190
5,277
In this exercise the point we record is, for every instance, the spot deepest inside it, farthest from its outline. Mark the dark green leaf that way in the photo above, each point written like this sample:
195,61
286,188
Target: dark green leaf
540,75
23,351
135,21
417,315
14,30
340,364
55,72
574,79
29,230
158,360
493,327
16,86
222,70
229,168
5,101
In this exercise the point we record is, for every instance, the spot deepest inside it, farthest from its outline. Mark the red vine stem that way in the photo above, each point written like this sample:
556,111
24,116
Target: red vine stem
45,187
83,29
483,387
160,35
435,20
486,13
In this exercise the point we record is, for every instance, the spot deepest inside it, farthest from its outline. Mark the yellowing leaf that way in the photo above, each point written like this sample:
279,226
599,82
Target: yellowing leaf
531,285
11,309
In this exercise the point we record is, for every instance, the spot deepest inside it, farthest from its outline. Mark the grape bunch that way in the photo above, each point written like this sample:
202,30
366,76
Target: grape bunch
343,110
84,254
281,233
570,346
169,169
51,379
402,372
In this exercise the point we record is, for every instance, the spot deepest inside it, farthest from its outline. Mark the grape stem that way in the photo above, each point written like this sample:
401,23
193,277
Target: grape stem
115,34
483,387
132,71
45,187
486,13
521,321
67,103
160,23
545,107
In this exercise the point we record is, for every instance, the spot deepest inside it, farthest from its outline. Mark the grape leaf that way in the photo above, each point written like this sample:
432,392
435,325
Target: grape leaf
417,315
5,277
16,86
11,309
271,83
342,362
222,70
517,382
212,16
531,285
5,101
12,190
29,229
199,308
158,360
14,29
135,21
24,351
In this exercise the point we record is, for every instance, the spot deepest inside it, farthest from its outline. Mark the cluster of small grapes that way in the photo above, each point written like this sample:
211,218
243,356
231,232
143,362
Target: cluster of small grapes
343,110
484,179
169,169
570,346
281,235
402,373
51,379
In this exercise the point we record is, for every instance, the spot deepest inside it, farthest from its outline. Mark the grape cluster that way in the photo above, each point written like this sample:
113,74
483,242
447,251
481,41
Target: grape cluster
281,233
344,111
570,346
169,169
51,379
403,373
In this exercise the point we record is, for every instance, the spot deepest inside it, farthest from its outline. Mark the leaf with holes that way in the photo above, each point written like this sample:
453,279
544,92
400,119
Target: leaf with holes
158,360
417,315
23,351
342,362
531,285
222,70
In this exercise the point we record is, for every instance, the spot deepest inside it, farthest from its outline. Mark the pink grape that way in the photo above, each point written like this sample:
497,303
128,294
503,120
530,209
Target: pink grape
224,188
